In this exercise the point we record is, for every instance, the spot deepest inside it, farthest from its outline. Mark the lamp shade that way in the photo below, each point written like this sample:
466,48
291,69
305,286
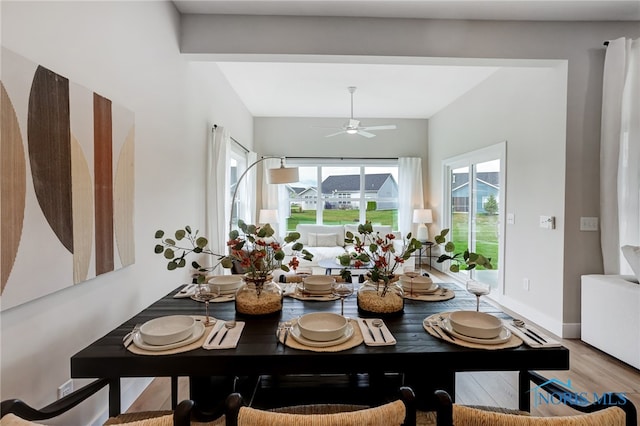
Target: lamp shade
268,216
283,175
422,216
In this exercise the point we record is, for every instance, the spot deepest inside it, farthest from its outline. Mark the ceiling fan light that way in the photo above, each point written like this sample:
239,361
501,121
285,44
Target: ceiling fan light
352,131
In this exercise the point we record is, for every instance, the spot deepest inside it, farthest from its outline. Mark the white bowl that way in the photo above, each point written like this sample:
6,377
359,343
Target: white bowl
227,283
476,324
418,283
318,282
167,330
322,326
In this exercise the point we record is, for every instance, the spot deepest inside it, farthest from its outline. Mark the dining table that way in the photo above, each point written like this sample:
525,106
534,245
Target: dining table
426,362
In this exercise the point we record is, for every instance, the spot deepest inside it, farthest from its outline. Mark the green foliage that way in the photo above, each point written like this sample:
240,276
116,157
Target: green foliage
372,206
491,206
377,253
465,260
249,247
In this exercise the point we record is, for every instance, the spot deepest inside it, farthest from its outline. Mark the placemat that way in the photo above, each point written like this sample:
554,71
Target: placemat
513,342
354,341
439,296
195,345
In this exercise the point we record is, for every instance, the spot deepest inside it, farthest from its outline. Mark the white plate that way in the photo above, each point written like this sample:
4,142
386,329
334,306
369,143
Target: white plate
295,333
320,292
503,337
198,331
418,291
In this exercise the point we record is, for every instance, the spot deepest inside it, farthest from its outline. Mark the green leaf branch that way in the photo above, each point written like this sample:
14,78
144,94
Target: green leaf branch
462,260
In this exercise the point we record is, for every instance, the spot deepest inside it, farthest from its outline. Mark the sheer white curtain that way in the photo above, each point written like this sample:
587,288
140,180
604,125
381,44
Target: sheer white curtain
410,195
274,196
620,153
217,191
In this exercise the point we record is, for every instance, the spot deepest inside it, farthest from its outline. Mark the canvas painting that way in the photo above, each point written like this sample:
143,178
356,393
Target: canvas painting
67,157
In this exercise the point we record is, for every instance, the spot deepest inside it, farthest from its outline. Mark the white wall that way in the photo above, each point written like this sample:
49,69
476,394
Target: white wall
580,43
526,107
127,51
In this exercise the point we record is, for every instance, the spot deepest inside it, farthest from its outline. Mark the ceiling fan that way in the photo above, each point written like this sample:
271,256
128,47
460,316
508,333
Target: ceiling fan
353,126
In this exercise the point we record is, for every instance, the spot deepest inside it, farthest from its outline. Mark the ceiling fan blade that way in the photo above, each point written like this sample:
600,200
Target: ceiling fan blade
335,134
387,127
366,134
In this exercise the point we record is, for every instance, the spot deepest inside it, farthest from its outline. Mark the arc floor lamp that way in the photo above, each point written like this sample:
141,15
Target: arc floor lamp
275,176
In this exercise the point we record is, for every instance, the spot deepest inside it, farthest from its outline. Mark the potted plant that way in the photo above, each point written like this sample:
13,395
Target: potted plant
253,248
380,294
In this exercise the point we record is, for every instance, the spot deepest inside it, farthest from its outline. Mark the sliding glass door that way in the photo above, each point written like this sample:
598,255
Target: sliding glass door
474,185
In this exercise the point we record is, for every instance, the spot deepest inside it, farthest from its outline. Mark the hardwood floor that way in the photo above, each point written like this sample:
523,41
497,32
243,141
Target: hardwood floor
590,371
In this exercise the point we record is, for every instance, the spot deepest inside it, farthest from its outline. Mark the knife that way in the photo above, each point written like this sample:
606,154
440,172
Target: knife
536,334
215,334
534,338
373,337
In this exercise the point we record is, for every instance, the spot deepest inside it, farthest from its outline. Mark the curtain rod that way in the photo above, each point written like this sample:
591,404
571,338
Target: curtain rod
215,126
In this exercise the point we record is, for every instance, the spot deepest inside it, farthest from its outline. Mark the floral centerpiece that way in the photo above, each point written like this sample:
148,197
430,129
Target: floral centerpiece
379,255
253,249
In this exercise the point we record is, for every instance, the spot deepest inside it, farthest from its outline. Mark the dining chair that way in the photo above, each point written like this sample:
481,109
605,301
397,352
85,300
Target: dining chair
15,412
401,411
616,411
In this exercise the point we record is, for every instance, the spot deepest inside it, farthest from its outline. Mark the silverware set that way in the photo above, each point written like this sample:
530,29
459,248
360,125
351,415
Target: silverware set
127,340
284,327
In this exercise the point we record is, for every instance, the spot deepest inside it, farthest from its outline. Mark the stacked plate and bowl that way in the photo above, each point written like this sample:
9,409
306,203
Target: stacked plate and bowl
476,327
317,284
322,329
228,284
168,332
418,285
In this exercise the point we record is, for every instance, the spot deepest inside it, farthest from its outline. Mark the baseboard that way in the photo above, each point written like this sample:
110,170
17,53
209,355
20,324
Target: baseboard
518,309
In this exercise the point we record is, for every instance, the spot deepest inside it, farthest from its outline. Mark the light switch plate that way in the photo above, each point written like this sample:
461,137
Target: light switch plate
589,224
547,222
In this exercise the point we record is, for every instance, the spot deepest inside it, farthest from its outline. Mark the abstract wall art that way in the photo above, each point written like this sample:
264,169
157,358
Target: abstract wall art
67,188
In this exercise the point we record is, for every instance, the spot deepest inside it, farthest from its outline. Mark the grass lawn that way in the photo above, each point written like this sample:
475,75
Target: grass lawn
343,217
486,235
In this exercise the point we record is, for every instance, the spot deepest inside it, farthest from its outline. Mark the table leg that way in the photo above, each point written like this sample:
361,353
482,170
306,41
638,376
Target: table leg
524,396
174,392
114,396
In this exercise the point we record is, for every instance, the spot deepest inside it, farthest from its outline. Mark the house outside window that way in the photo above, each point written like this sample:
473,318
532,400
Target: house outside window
346,194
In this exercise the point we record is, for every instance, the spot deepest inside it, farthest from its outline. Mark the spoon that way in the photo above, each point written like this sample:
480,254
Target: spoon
228,325
521,324
377,323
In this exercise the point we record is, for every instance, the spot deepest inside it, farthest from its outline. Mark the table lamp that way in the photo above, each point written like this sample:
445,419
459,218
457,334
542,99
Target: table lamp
422,217
268,216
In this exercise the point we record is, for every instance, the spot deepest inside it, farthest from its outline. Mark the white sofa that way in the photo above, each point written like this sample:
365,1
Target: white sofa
327,242
611,315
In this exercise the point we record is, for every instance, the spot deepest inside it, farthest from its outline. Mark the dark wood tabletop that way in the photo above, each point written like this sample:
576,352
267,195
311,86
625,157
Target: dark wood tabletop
258,352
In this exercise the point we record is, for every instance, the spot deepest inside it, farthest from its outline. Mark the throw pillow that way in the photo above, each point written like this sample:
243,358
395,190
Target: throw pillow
632,254
312,239
326,240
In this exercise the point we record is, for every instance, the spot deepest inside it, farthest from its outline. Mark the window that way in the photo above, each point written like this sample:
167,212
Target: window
337,192
473,211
